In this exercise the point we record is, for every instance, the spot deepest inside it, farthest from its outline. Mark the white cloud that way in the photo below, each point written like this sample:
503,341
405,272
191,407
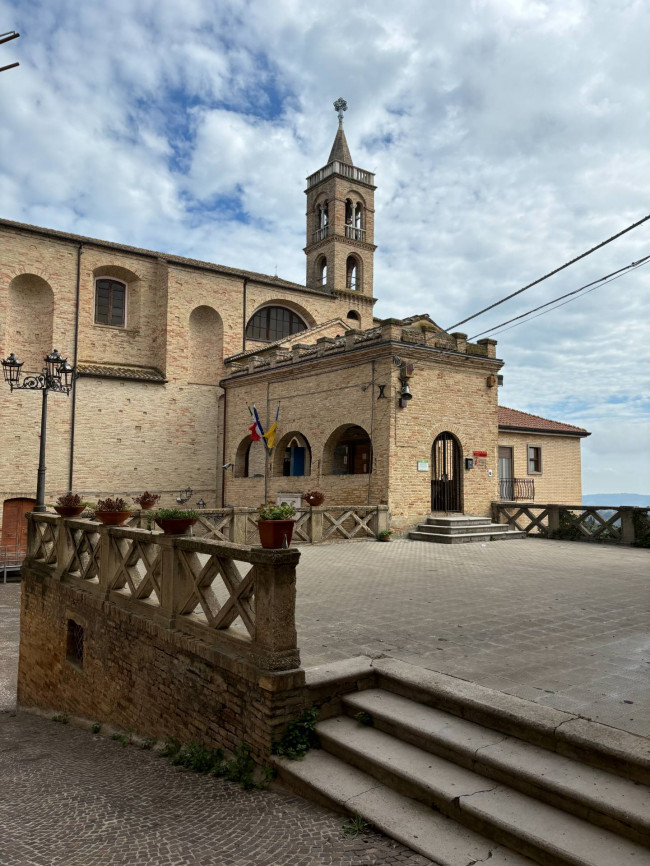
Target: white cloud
507,137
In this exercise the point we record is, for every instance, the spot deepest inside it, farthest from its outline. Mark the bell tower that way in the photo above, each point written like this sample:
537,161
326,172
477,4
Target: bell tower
341,223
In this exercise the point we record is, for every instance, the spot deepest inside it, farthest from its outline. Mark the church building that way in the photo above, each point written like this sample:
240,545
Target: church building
173,355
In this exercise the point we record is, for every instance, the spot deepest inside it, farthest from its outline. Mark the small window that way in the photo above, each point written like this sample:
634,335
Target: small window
74,652
321,270
534,460
110,303
354,316
352,274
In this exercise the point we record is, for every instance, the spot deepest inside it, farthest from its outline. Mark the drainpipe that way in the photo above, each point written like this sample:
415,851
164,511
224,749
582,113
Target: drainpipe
243,339
223,451
74,364
372,429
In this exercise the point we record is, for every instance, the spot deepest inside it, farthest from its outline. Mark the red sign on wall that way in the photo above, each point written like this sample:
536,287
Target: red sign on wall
480,454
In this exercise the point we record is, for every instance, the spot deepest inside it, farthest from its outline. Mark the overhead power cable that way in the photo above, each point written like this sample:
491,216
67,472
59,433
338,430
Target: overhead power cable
551,273
606,279
599,285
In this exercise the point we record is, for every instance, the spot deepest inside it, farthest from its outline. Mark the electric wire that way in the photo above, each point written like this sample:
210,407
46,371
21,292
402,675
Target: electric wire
603,280
551,273
640,264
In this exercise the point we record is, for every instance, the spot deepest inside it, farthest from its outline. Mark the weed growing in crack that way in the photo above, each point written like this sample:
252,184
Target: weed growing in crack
356,826
364,718
299,736
61,718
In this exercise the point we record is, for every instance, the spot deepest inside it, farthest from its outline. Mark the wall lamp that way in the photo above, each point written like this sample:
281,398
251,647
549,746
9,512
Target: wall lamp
184,495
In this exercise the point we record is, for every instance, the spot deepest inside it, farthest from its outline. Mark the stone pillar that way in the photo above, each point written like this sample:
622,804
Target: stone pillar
553,518
169,583
239,521
275,646
383,519
316,526
461,341
627,524
107,560
63,548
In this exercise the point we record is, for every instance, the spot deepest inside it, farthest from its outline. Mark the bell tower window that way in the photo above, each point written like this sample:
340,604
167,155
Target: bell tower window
321,271
322,222
352,281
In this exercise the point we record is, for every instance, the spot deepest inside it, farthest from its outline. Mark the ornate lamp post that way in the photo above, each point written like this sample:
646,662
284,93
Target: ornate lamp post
56,375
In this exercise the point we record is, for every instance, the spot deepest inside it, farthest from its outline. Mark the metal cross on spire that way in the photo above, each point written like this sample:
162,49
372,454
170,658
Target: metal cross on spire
340,105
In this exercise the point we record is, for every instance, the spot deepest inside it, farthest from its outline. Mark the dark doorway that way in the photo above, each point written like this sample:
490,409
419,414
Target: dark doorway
446,494
13,543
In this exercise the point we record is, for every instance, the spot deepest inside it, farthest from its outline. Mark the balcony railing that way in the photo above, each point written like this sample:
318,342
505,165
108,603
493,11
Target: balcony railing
336,167
355,233
517,489
319,234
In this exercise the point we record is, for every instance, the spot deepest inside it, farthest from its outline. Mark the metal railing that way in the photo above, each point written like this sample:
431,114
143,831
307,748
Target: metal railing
517,489
11,557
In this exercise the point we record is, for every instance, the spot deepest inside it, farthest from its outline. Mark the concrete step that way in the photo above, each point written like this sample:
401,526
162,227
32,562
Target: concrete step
331,782
441,538
618,752
457,520
589,793
463,530
526,825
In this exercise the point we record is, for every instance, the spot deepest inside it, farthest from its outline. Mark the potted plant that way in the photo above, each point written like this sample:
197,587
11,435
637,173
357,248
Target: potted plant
175,521
112,512
276,525
69,505
146,500
314,498
384,535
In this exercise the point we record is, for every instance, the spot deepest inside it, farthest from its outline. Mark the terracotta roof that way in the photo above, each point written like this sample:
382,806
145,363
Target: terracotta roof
113,371
181,260
513,419
340,149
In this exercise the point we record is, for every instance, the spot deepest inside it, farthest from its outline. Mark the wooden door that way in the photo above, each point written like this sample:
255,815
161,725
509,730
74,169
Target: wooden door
361,465
13,543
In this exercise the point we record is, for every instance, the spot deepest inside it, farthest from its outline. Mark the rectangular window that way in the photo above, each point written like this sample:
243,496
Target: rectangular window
534,460
110,303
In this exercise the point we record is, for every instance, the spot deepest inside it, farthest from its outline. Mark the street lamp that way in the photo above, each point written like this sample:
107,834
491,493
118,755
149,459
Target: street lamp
56,375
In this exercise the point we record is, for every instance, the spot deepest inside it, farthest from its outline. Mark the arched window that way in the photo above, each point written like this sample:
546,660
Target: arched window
352,281
249,459
349,212
354,316
292,455
357,216
321,271
348,451
205,346
110,302
323,215
274,323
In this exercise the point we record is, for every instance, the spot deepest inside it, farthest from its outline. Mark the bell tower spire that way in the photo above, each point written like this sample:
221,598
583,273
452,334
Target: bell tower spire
340,222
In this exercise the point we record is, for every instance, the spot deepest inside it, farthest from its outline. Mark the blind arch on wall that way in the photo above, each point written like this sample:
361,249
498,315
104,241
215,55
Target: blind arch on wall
205,346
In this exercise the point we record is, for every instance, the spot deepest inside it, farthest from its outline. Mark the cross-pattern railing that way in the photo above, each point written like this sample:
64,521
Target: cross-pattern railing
234,596
616,524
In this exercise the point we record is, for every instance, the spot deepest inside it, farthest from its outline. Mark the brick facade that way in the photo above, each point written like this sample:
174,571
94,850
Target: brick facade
560,479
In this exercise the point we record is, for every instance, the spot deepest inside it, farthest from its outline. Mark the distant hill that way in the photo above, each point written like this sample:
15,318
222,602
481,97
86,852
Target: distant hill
639,499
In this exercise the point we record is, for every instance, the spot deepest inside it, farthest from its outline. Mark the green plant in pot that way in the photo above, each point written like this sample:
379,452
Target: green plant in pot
69,505
112,512
384,535
276,525
175,521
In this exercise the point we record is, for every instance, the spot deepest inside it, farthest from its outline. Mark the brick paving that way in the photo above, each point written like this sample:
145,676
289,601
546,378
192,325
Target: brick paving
558,623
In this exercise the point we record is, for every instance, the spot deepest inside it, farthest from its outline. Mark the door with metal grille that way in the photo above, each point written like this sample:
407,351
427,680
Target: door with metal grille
446,494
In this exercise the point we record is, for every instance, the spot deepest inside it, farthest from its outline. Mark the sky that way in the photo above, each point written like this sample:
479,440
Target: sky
507,137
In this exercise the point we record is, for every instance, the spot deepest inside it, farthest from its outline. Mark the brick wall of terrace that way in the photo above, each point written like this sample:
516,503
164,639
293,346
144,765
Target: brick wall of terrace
176,642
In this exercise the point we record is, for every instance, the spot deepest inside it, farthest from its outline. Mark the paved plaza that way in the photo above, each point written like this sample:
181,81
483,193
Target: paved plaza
558,623
555,622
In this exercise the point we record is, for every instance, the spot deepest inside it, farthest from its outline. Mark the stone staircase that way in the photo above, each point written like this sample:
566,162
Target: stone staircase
465,775
463,529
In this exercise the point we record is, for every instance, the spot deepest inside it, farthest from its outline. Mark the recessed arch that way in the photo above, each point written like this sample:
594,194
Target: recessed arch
116,296
354,316
30,320
292,455
446,473
321,271
348,451
205,345
249,459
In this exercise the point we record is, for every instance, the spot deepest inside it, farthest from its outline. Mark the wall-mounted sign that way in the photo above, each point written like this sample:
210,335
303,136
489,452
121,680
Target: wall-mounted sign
480,454
423,465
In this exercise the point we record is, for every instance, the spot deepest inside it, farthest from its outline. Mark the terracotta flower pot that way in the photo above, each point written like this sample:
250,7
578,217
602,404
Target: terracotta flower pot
69,510
315,500
273,532
113,518
175,525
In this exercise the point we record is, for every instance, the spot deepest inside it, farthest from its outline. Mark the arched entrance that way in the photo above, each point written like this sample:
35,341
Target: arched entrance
446,478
